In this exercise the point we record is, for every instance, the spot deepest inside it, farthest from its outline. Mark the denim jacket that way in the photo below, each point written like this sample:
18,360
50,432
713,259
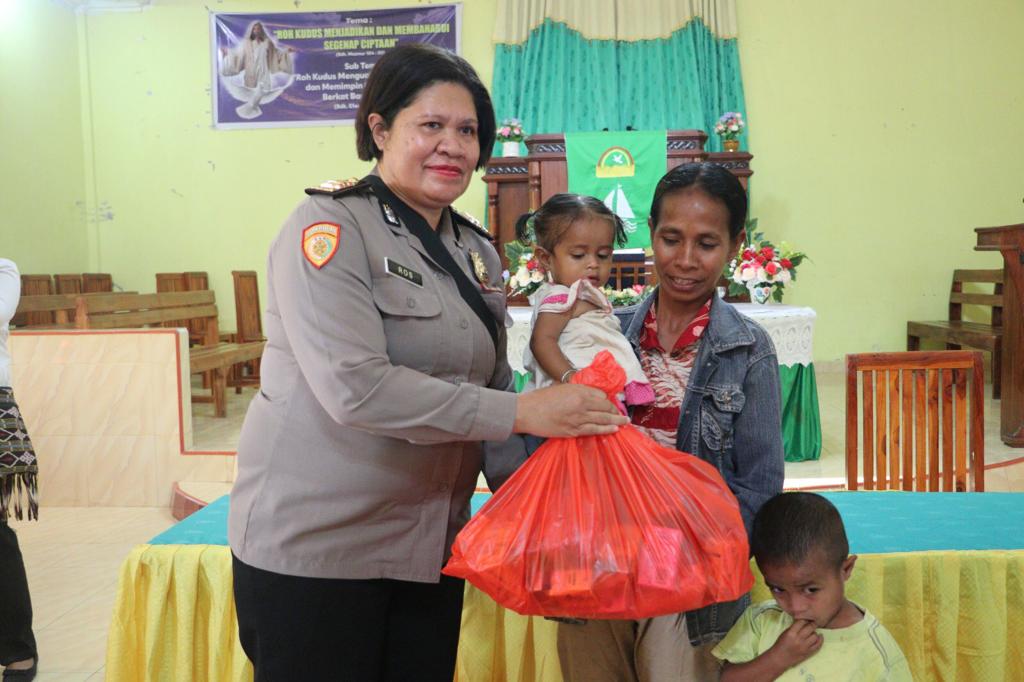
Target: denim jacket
730,417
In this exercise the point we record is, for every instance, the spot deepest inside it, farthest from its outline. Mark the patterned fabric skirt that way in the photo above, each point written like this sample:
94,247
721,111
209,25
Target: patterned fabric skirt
18,469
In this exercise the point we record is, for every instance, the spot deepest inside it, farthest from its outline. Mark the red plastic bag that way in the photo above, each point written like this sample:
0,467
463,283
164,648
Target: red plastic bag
614,527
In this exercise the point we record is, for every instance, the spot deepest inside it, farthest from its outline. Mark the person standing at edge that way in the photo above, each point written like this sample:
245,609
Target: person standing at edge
716,384
384,370
18,476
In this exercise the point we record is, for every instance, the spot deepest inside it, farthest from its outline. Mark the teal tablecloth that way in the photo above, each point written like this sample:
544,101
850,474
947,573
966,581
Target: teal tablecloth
876,522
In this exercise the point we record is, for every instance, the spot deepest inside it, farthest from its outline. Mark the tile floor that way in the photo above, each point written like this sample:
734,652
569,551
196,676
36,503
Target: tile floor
73,555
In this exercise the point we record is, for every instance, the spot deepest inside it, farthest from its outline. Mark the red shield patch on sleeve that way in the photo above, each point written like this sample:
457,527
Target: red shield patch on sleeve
320,243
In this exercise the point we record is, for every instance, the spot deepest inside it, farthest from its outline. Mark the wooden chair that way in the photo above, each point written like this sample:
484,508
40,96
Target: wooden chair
35,285
631,268
196,281
957,333
97,283
167,282
68,284
248,325
918,431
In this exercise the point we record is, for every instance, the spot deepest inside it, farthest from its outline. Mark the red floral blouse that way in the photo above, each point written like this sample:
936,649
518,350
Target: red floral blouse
669,374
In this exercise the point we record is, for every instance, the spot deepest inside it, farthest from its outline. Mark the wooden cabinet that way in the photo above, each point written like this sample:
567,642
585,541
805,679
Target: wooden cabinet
1009,241
516,185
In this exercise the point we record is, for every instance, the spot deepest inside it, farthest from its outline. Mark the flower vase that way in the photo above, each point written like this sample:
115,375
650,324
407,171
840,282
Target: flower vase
729,145
760,292
510,148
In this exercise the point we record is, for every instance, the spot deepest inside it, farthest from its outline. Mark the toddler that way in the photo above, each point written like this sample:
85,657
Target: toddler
574,238
810,631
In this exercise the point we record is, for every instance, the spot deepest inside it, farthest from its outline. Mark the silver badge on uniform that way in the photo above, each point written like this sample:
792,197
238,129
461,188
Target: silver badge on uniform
389,214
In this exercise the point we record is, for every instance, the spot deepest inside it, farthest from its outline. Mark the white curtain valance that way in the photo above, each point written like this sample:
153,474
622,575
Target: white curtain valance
624,20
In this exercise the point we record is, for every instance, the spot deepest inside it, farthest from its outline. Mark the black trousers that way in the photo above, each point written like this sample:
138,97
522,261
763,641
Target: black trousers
294,628
16,640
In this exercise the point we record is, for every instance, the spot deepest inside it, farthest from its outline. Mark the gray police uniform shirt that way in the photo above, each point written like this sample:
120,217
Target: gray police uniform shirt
362,448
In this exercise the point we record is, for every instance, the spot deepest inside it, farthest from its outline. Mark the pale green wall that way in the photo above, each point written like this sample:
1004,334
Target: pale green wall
42,177
883,132
185,196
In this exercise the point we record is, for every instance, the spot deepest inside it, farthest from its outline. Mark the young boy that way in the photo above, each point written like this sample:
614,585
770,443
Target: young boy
811,631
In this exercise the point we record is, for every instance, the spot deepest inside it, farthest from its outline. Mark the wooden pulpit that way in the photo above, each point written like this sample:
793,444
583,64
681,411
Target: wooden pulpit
516,185
1009,240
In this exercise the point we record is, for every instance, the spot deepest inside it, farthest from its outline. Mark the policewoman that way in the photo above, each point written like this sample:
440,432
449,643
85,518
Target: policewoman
384,373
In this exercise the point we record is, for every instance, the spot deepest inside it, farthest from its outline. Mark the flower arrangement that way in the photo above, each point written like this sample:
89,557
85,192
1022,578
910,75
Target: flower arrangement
730,125
510,130
762,268
525,274
620,298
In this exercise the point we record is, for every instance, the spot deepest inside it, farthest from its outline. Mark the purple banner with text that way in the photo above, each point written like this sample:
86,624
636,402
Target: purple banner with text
308,68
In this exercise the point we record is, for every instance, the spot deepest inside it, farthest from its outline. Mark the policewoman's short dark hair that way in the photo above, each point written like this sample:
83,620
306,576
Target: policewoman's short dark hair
714,180
399,76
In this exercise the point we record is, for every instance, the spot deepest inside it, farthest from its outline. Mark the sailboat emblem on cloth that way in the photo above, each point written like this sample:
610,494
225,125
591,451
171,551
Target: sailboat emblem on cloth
617,204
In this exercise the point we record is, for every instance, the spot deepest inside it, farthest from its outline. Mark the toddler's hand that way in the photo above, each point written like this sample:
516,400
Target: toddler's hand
798,643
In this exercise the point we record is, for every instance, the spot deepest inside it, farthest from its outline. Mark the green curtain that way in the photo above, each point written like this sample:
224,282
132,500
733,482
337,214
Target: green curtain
558,81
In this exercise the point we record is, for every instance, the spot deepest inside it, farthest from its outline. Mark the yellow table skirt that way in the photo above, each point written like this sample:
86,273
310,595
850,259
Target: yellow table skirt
957,615
174,617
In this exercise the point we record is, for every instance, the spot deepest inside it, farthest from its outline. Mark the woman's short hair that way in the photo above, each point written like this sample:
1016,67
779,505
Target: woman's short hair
399,76
713,180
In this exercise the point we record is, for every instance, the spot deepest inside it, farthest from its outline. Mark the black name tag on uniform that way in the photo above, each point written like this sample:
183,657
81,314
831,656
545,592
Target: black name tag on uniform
403,272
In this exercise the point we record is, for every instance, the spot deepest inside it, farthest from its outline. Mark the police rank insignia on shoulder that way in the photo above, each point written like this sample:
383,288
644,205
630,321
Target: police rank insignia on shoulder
320,243
334,188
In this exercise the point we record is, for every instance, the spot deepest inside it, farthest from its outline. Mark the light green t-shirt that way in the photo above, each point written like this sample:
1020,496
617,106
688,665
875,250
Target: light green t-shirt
863,651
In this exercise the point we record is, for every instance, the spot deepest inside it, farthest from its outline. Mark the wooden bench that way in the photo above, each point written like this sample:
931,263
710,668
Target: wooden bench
118,311
45,311
955,332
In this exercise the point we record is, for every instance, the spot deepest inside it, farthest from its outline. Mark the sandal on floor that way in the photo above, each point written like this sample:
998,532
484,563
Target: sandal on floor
26,675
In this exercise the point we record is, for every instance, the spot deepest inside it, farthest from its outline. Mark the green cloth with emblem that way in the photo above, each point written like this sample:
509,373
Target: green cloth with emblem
621,169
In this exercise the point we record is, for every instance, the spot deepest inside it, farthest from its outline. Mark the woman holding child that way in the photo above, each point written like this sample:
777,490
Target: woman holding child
715,380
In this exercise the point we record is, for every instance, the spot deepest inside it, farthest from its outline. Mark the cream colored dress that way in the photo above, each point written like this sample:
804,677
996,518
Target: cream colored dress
585,336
